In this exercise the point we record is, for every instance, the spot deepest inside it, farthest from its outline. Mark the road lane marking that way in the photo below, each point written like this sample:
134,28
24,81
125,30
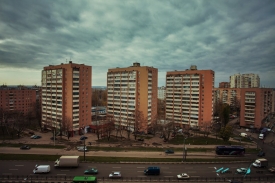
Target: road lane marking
165,167
139,171
19,165
142,176
13,169
117,167
140,167
211,167
195,176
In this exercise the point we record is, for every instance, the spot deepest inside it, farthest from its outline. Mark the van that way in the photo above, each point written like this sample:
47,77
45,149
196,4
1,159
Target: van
243,134
42,169
152,171
261,136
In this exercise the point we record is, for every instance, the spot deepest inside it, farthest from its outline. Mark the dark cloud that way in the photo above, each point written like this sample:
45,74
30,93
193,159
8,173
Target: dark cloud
226,36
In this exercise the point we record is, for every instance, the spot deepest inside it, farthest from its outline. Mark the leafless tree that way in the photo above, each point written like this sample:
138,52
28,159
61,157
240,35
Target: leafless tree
109,126
20,122
5,116
67,127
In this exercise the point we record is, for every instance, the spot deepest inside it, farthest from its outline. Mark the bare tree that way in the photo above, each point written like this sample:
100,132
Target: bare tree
5,115
19,122
67,126
109,126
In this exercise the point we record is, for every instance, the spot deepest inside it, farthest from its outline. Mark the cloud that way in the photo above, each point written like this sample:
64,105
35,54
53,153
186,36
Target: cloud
225,36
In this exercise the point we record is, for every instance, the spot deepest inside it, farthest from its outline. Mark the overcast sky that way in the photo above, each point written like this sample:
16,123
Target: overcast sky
227,36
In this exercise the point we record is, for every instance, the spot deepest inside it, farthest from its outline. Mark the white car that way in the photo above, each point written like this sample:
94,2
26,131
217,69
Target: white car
115,175
183,176
82,149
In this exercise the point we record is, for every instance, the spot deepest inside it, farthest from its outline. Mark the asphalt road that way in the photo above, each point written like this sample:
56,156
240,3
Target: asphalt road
129,170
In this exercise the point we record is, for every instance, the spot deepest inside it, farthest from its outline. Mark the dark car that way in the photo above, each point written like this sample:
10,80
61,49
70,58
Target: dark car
36,137
83,138
53,138
261,154
91,171
25,147
140,139
169,151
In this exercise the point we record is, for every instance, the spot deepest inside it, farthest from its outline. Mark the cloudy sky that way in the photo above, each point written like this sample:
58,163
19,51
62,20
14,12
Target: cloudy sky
227,36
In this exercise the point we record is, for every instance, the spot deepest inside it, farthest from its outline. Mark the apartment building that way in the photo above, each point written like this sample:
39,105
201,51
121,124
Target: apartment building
132,96
224,85
66,97
189,98
227,95
256,104
161,93
19,98
245,81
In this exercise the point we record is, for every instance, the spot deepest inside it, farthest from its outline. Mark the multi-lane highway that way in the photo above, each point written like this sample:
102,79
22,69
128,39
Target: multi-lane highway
13,168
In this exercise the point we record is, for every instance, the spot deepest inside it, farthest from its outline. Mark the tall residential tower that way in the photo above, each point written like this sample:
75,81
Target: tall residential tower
66,97
189,98
132,96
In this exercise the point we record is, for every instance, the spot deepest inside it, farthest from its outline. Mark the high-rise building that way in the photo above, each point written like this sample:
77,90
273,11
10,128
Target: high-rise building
20,99
132,96
189,97
245,81
66,97
161,93
256,104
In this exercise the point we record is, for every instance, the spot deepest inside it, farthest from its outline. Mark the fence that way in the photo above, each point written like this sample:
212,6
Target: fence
68,179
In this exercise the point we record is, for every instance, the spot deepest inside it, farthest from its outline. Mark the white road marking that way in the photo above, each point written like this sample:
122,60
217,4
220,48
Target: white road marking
13,169
19,165
139,171
211,167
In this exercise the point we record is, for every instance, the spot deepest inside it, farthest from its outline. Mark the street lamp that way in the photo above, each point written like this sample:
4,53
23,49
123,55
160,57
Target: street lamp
84,150
184,149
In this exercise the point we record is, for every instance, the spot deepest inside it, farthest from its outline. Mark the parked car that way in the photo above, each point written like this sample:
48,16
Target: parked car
140,139
83,138
242,171
33,136
53,138
115,175
25,147
272,169
169,151
183,176
91,171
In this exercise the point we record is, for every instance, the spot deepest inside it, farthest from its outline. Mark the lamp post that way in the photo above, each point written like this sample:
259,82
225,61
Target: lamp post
184,149
84,150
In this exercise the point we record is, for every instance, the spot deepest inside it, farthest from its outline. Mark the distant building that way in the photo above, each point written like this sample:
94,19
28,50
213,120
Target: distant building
227,95
132,96
245,81
66,97
224,85
161,93
189,98
20,98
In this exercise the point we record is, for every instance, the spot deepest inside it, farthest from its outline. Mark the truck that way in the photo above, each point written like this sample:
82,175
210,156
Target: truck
152,171
260,163
67,161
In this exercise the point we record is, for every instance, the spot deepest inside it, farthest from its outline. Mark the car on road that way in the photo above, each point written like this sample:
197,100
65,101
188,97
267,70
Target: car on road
82,149
91,171
272,169
183,176
25,147
169,151
115,175
35,137
261,154
83,138
242,171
